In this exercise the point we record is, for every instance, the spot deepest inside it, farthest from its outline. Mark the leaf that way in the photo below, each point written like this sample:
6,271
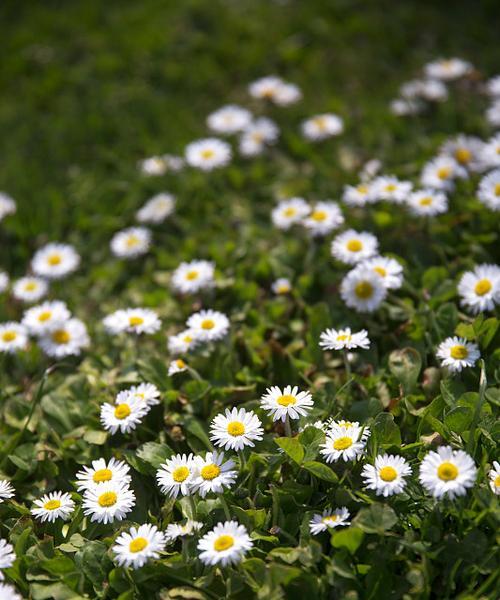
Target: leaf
321,471
378,518
194,427
97,437
458,419
405,365
154,454
447,317
311,439
384,431
292,447
349,538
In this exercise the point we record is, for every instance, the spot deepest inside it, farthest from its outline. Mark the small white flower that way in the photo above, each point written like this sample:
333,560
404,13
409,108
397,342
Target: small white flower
494,476
108,501
176,475
183,342
493,86
30,289
281,286
402,107
226,544
135,547
257,135
491,152
329,519
287,93
433,90
124,416
4,281
289,212
159,165
387,476
132,320
41,318
7,205
363,290
447,69
346,442
176,530
289,402
67,338
322,127
333,339
265,87
7,556
8,592
208,325
191,277
390,188
55,261
447,472
147,393
489,190
156,209
212,474
467,150
440,173
177,366
236,429
359,195
56,505
324,218
131,242
427,203
6,490
351,247
13,337
479,290
229,119
457,354
388,269
101,471
493,114
208,154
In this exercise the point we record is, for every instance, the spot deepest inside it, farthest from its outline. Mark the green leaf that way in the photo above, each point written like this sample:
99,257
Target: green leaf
405,365
292,447
384,431
321,471
311,439
458,419
194,427
349,538
154,454
378,518
93,436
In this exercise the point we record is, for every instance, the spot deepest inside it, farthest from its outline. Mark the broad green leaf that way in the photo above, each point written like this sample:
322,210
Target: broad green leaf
405,365
458,419
292,447
321,471
348,537
378,518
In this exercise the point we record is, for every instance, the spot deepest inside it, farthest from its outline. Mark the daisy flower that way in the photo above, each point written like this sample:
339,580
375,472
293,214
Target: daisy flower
390,188
346,442
56,505
235,429
135,547
494,476
229,119
6,490
457,354
329,519
427,203
55,261
433,90
358,195
13,337
4,281
439,173
493,86
208,325
132,320
191,277
287,93
183,342
147,393
447,69
156,209
30,289
101,471
131,242
208,154
322,127
159,165
7,205
257,135
388,269
281,286
124,416
351,247
289,212
108,501
479,290
212,474
491,152
323,219
387,476
265,87
8,592
447,472
177,366
467,150
493,114
363,290
65,339
176,530
287,403
333,339
226,544
176,475
489,190
7,556
41,318
402,107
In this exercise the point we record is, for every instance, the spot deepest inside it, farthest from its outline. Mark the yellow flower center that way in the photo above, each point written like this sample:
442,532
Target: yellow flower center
380,270
483,286
497,189
122,411
187,339
444,172
447,471
52,504
427,201
283,289
207,154
321,122
30,286
388,474
180,363
54,259
236,428
391,187
191,275
290,212
138,544
286,400
134,321
463,155
257,137
107,499
180,474
61,336
497,481
102,475
210,472
9,336
330,519
363,290
207,324
44,316
354,245
342,443
318,215
223,542
132,241
347,424
343,337
459,352
362,189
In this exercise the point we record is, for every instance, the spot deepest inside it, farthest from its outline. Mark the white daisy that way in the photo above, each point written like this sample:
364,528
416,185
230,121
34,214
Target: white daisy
132,320
7,556
447,472
4,281
402,107
176,530
159,165
351,247
491,152
208,154
440,173
101,471
65,339
494,476
212,474
30,289
191,277
208,325
8,592
346,442
387,476
176,475
289,212
183,342
489,190
6,490
55,261
131,242
493,86
226,544
235,429
324,218
493,114
358,195
447,69
388,269
333,339
108,501
41,318
281,286
56,505
156,209
427,203
229,119
265,87
363,290
289,402
457,354
177,366
147,393
7,205
329,519
135,547
479,290
390,188
257,135
13,337
322,127
124,416
433,90
467,150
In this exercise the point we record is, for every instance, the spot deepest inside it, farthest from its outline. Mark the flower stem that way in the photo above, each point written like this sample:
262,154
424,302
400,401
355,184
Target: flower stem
288,427
192,507
347,365
241,456
225,507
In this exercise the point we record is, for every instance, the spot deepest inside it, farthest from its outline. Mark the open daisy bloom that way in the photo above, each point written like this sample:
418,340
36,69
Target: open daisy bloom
13,337
123,416
427,203
147,393
257,135
7,556
101,471
56,505
159,165
447,472
287,403
236,429
183,342
68,338
489,190
323,218
4,281
275,90
226,544
131,242
447,69
329,519
494,476
156,209
363,289
132,320
390,188
135,547
359,195
388,269
457,354
30,289
6,490
176,530
108,501
351,247
333,339
208,154
321,127
193,276
479,290
8,592
387,476
176,475
281,286
177,366
212,474
346,442
7,205
440,173
208,325
289,212
39,319
55,261
229,119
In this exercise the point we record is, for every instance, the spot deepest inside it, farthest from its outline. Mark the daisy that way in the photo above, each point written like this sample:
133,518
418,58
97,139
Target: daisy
132,320
281,286
324,218
30,289
287,403
65,339
159,165
447,472
390,188
131,242
433,90
289,212
457,354
176,475
124,416
388,269
108,501
493,114
235,429
212,474
322,127
41,318
494,476
346,442
427,203
6,490
329,519
13,337
226,544
7,557
257,135
101,471
4,281
387,476
135,547
493,86
191,277
229,119
402,107
176,530
8,592
351,247
182,342
467,150
7,205
208,154
177,366
363,290
489,190
287,93
56,505
333,339
147,393
447,69
439,173
479,290
491,152
266,88
55,261
358,195
208,325
156,209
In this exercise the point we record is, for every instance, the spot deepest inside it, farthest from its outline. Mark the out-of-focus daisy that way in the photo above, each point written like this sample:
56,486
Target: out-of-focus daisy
257,135
433,90
7,205
467,150
4,281
208,154
124,416
67,338
236,429
358,195
333,339
491,152
363,290
265,87
281,286
132,320
101,471
55,261
323,126
135,547
108,501
489,190
447,69
390,188
147,393
440,173
7,556
388,269
289,212
8,592
191,277
387,475
479,290
6,490
345,442
351,247
494,476
229,119
176,475
226,544
427,203
131,242
13,337
493,86
323,218
159,165
156,209
208,325
329,519
289,402
182,343
56,505
30,289
457,353
212,474
402,107
493,114
447,472
287,93
177,366
176,530
43,317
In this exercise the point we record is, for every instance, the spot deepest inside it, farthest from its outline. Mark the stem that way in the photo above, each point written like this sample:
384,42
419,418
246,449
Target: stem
482,390
347,366
241,456
194,374
192,508
288,427
223,502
